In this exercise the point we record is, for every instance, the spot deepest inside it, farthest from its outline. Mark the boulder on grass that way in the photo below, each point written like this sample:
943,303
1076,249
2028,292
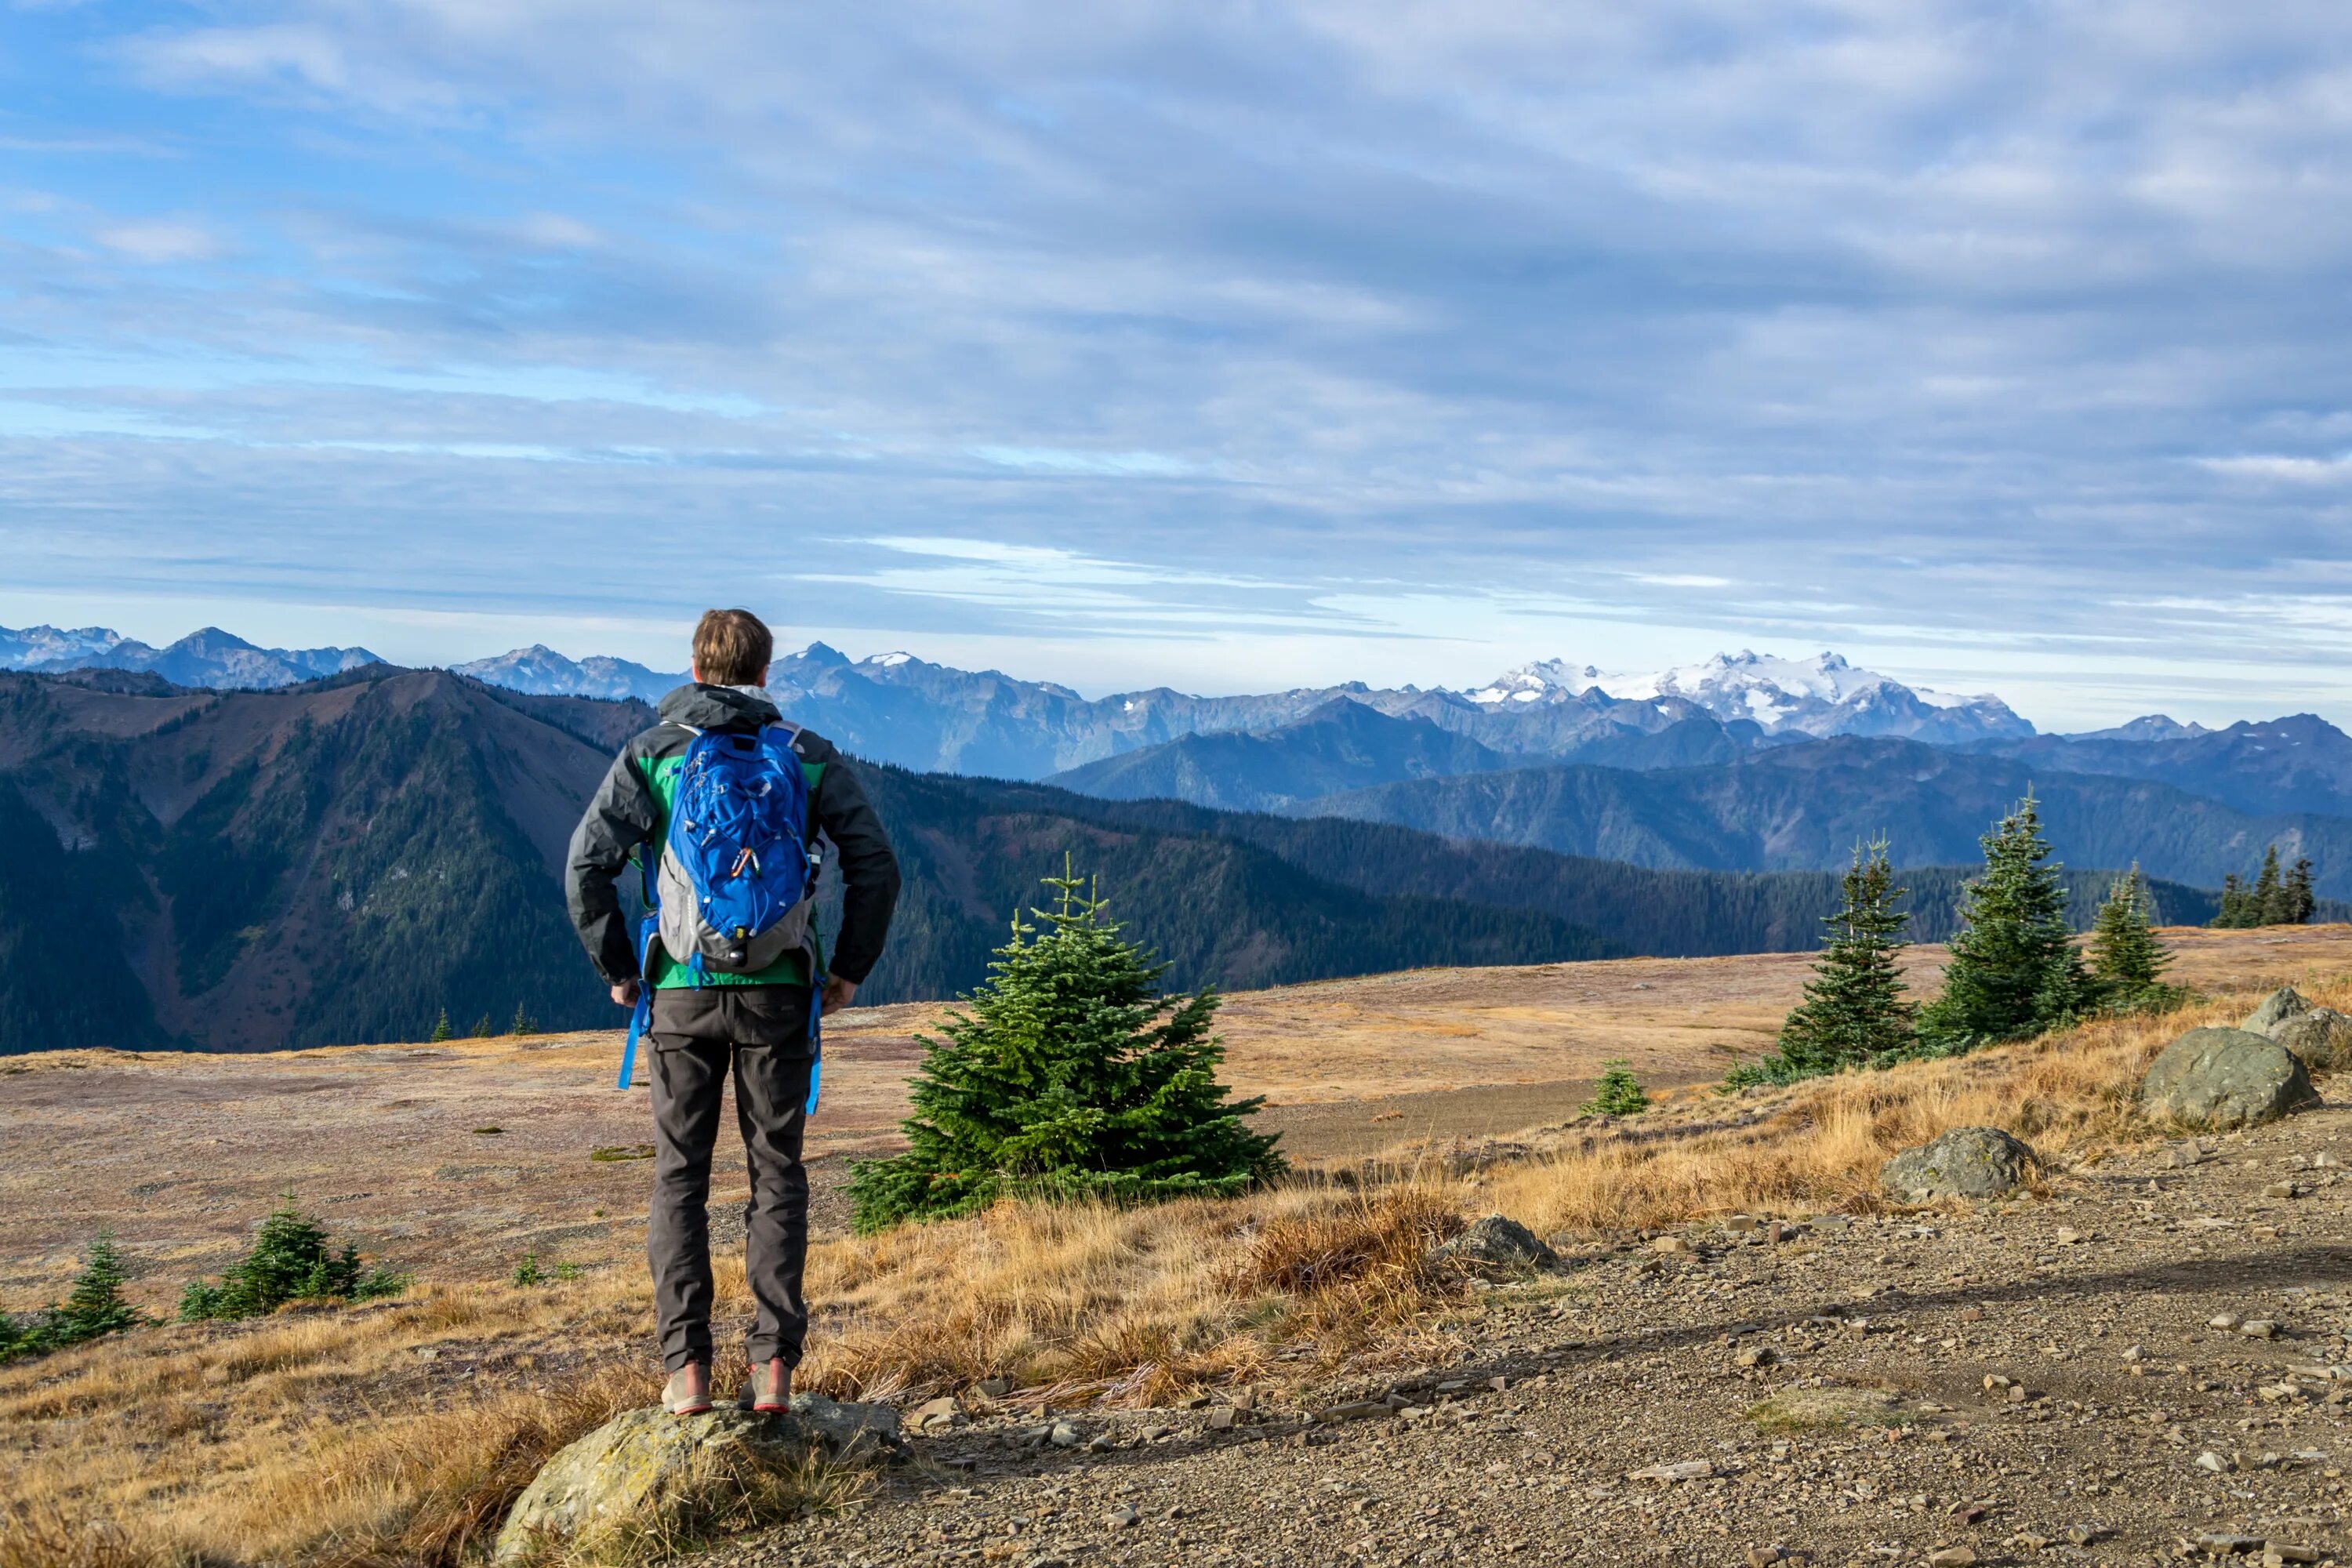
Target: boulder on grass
1966,1163
2225,1078
2277,1009
646,1475
2320,1038
1496,1245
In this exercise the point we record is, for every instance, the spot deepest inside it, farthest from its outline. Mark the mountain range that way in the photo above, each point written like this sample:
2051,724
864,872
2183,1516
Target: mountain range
209,658
894,707
343,859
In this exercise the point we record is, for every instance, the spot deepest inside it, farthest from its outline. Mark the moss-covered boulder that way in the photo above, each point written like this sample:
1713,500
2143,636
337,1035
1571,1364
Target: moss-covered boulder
2321,1039
646,1481
1966,1163
2279,1007
2225,1078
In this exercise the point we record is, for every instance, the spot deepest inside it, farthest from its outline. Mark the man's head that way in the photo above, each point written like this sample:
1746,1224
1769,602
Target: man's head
733,648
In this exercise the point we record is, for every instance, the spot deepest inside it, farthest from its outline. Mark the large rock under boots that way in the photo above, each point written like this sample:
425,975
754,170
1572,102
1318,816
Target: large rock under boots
1966,1163
2321,1039
2279,1007
652,1472
2225,1078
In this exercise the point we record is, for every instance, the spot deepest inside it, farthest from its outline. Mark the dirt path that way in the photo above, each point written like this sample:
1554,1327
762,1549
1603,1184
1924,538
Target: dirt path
1826,1396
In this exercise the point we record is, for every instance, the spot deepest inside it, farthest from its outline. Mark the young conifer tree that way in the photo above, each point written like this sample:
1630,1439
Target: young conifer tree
1855,1012
2127,963
1069,1075
2013,969
2302,902
2269,897
440,1028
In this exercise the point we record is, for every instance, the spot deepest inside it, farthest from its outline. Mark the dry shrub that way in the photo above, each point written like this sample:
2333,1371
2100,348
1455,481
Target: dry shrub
47,1535
429,1488
1355,1264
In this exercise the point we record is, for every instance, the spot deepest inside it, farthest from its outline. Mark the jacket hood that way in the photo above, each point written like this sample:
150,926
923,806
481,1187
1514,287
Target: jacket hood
717,707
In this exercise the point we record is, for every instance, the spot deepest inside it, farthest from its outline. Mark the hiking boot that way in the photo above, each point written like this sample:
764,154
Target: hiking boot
687,1392
768,1388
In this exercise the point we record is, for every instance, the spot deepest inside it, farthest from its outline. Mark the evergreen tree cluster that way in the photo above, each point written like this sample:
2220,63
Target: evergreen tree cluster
1070,1075
289,1261
2273,900
2013,973
95,1307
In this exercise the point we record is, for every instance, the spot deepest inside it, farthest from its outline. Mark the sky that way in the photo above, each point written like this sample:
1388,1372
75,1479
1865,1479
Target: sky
1231,346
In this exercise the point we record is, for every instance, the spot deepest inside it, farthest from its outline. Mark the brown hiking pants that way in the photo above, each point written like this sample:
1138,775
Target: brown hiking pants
698,1035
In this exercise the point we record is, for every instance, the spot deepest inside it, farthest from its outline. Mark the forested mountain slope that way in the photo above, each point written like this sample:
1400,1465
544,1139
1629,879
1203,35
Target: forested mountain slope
1805,807
342,861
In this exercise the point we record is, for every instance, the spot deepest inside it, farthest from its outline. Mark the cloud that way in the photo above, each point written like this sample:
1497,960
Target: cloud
2002,321
160,243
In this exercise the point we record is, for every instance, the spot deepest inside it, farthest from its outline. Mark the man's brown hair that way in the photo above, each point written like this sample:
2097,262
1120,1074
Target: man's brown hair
733,648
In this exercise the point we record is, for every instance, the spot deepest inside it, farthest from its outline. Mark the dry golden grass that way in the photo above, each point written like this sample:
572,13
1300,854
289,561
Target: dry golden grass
329,1437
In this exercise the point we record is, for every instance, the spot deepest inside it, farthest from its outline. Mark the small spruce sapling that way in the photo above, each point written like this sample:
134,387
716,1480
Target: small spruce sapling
440,1028
1617,1092
1855,1012
289,1261
1067,1074
2127,962
2013,972
95,1307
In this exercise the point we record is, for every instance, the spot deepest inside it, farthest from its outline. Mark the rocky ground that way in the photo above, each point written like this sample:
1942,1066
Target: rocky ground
2144,1361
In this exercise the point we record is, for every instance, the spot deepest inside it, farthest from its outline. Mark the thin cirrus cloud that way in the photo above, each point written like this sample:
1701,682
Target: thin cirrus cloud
1393,340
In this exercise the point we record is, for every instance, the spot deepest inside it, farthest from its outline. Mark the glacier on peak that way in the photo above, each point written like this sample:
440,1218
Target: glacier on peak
1822,695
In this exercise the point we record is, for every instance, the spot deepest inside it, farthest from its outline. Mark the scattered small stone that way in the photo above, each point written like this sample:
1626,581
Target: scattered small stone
1756,1355
2209,1461
2222,1320
1124,1517
2279,1552
2068,1238
1670,1246
2259,1329
1952,1557
1679,1471
2281,1190
1222,1419
2223,1543
2088,1534
1765,1556
1354,1410
1062,1435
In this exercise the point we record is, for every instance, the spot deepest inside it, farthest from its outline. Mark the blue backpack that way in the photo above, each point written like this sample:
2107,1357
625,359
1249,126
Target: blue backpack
736,888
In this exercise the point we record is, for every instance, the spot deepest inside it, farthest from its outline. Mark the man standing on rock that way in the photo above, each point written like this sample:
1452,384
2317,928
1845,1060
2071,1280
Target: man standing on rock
730,973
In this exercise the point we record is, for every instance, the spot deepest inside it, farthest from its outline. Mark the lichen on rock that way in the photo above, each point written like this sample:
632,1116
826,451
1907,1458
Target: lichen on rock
2225,1078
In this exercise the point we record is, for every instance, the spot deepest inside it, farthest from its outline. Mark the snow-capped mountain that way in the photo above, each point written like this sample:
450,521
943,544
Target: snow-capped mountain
1820,695
210,656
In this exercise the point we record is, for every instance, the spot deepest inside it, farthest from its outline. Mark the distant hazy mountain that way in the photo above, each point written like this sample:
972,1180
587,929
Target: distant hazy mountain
1341,745
2297,764
2149,727
541,671
1806,806
210,657
1348,745
1820,695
